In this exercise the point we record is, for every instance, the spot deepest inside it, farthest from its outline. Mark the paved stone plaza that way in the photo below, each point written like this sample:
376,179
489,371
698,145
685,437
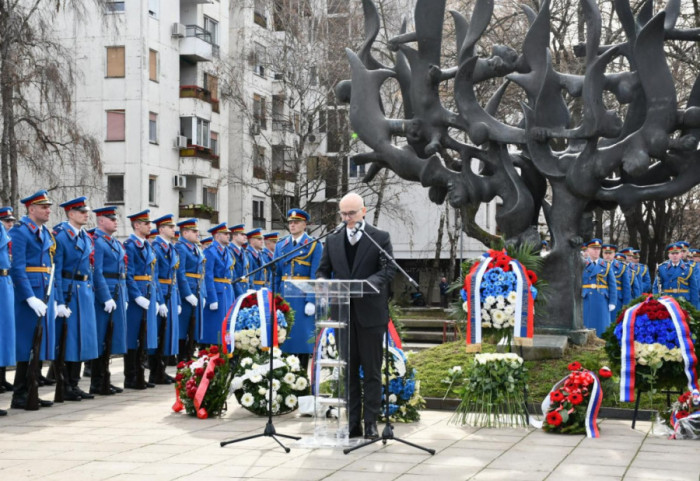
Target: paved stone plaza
135,436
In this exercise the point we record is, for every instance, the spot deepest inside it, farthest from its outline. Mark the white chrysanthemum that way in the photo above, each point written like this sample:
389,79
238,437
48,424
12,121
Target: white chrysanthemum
262,391
255,366
244,341
292,360
278,397
487,325
247,400
501,305
500,299
392,398
511,321
498,317
509,310
512,297
276,384
236,384
301,384
255,342
490,300
290,401
485,315
275,407
258,332
331,338
289,378
256,378
246,361
465,306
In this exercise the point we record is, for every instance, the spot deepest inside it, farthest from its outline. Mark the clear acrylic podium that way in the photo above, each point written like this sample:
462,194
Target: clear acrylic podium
329,378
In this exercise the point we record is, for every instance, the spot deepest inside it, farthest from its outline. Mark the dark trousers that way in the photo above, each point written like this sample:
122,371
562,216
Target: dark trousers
366,350
21,387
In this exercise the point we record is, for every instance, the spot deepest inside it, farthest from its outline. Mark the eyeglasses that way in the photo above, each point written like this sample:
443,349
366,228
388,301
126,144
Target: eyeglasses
350,213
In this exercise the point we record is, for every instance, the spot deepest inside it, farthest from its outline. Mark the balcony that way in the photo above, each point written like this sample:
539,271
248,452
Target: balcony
196,101
281,126
197,161
199,211
197,45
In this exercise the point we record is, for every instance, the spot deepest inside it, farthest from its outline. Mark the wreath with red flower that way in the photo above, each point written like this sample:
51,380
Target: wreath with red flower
569,402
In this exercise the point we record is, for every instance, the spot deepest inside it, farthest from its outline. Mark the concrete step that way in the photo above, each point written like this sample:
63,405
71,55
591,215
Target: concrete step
417,346
412,324
424,336
424,312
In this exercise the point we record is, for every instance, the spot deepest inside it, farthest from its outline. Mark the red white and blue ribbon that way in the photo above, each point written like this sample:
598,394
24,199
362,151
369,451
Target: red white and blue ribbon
268,319
317,356
690,360
228,326
525,307
474,300
594,402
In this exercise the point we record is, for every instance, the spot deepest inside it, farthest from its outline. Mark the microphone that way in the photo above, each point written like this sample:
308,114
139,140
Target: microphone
340,226
359,227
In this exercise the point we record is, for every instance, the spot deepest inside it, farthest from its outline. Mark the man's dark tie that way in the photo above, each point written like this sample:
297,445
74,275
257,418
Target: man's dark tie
294,243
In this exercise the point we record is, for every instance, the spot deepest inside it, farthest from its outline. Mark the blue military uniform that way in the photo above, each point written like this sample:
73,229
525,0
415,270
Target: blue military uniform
241,263
302,265
689,260
141,281
191,282
599,291
676,280
217,277
268,254
33,248
256,260
633,269
643,273
110,284
7,297
622,282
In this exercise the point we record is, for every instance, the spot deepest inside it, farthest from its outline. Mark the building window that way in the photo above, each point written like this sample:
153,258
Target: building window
115,189
203,135
114,7
259,16
210,197
211,83
322,121
212,26
152,191
259,111
258,162
259,60
115,62
153,65
355,169
116,126
280,206
153,8
259,213
152,128
214,144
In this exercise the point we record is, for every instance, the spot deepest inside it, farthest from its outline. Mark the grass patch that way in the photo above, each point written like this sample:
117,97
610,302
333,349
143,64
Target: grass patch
432,364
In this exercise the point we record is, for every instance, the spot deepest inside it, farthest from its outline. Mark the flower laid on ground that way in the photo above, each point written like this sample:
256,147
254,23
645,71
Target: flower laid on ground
405,400
685,416
202,384
493,393
455,377
658,352
568,402
247,329
251,384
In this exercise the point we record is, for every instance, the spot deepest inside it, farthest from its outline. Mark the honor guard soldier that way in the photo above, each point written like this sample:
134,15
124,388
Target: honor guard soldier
626,256
255,254
622,279
206,242
675,278
688,259
599,289
152,235
7,300
111,299
240,259
193,291
643,270
169,310
144,297
270,243
302,265
75,296
217,278
33,248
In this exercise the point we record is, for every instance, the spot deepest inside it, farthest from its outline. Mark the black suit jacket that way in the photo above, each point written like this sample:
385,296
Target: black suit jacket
371,309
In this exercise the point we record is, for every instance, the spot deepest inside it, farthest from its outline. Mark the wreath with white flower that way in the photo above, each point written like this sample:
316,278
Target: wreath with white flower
251,383
247,328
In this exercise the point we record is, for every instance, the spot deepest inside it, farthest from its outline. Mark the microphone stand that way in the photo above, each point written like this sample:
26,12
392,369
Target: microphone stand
388,431
269,430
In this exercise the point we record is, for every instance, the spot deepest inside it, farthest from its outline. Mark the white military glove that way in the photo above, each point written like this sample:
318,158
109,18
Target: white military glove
213,306
192,299
309,309
37,306
179,310
126,305
162,310
611,307
63,311
142,302
110,305
204,303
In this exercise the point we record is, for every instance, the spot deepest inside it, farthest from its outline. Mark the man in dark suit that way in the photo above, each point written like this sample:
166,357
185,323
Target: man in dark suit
349,254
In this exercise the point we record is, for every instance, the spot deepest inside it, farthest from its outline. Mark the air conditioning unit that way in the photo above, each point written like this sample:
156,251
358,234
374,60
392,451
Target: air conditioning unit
255,128
181,142
179,30
179,182
311,138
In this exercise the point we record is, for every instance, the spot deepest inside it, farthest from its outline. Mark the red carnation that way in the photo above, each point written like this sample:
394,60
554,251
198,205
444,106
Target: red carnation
219,361
683,398
574,366
553,418
188,363
214,350
556,396
605,372
210,375
532,276
191,393
199,371
284,308
203,352
178,376
682,414
575,398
